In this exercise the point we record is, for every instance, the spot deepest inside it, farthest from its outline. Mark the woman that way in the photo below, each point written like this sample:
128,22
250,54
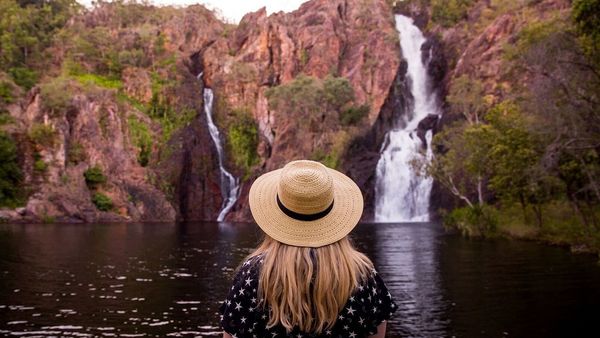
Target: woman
306,279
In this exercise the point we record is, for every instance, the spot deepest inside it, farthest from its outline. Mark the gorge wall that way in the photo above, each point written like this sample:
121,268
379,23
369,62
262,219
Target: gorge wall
147,131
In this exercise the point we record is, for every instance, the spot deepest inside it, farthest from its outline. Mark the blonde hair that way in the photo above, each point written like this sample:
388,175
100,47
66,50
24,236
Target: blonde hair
308,287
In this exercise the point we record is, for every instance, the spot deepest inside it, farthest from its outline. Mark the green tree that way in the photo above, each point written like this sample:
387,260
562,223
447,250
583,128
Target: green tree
10,172
27,28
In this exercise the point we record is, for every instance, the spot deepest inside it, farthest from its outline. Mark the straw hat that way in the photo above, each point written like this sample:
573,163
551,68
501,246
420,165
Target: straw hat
306,204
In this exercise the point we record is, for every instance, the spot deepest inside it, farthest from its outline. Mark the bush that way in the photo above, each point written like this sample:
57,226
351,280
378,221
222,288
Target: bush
242,137
141,138
311,98
57,95
24,77
40,165
102,202
479,220
354,114
10,172
94,176
449,12
43,135
6,93
76,153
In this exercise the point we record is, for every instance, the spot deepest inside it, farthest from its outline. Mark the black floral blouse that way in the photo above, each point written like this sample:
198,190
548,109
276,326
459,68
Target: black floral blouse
241,317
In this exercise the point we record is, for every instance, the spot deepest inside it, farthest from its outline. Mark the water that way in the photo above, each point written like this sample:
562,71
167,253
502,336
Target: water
158,280
401,195
230,186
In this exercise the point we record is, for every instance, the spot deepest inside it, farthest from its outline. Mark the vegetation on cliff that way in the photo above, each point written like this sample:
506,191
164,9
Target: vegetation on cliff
527,163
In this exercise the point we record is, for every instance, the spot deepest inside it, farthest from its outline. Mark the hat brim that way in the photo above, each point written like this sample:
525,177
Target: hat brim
343,217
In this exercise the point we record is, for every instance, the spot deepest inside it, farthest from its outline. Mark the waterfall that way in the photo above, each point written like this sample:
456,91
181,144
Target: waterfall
401,195
229,184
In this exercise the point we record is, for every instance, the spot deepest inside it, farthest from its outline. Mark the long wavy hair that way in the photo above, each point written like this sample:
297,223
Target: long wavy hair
308,287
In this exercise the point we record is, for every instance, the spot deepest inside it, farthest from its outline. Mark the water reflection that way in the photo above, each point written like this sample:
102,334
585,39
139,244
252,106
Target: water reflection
168,280
407,256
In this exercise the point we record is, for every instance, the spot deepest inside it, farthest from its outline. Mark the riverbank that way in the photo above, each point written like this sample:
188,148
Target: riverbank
560,225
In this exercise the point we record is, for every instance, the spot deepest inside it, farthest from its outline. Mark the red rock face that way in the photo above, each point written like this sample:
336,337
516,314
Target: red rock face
353,39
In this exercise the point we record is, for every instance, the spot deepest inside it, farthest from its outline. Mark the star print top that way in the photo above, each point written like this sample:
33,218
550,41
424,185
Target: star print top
241,316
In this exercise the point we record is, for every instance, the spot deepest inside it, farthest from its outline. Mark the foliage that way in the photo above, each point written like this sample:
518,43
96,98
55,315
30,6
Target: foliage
466,97
302,95
332,159
43,134
337,91
449,12
587,21
353,114
311,99
101,201
57,95
94,176
76,153
242,140
5,118
40,165
26,29
6,93
480,220
23,76
10,172
141,138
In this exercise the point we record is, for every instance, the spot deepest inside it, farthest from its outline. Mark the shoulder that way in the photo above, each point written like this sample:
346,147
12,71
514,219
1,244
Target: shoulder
239,310
376,300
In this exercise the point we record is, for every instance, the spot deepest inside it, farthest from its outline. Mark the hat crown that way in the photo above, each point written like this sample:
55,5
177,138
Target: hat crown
305,187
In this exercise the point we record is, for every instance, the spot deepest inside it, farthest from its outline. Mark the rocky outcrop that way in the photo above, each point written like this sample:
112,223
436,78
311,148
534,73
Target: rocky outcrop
356,40
180,179
97,127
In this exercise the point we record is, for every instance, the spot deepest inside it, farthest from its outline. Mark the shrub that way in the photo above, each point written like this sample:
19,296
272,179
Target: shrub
10,172
353,114
242,139
5,118
449,12
479,220
76,153
94,176
310,96
57,95
40,165
141,138
24,77
43,134
102,202
99,80
6,93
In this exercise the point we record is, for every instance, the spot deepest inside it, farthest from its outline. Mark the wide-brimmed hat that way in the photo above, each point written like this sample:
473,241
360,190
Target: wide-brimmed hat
306,204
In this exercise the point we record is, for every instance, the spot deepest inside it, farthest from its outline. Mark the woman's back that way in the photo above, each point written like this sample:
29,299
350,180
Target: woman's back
306,279
243,316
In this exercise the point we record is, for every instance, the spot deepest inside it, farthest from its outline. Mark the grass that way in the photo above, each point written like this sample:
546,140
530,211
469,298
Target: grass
561,226
98,80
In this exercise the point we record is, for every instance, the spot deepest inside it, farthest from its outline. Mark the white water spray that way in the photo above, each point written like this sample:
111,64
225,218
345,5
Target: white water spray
400,194
230,187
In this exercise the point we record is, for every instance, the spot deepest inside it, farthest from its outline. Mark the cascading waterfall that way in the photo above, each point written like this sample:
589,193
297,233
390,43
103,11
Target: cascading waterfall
230,187
401,195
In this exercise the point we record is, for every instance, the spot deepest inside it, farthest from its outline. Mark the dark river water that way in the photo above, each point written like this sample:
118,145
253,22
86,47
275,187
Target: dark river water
167,280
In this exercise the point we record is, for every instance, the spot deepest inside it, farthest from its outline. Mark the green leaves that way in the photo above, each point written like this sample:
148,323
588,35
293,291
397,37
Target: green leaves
242,139
312,98
10,173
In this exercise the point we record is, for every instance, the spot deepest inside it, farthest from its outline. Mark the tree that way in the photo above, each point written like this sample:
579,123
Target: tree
10,172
